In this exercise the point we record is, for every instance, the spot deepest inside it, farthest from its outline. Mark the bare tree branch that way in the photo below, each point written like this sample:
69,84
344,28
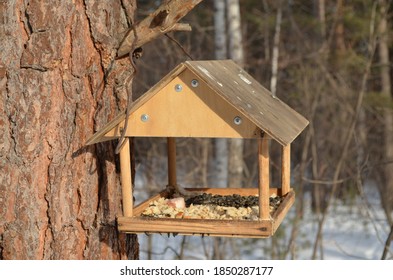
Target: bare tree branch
163,20
387,244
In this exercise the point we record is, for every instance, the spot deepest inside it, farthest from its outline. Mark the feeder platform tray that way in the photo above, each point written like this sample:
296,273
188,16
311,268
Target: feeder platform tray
140,223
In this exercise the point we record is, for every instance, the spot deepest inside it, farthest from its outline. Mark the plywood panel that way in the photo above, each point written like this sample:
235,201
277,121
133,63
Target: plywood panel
112,129
189,112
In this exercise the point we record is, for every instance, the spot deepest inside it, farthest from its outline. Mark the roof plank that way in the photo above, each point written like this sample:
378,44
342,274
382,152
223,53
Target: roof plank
239,88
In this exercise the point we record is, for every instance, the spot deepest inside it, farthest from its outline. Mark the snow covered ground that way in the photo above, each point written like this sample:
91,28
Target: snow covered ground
350,232
356,231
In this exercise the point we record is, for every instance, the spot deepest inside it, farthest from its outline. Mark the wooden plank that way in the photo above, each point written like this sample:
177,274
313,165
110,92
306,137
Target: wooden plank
264,178
283,209
171,148
246,94
285,169
142,206
126,181
194,226
239,191
227,191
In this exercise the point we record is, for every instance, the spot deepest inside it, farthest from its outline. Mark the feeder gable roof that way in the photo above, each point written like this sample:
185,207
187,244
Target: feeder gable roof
239,89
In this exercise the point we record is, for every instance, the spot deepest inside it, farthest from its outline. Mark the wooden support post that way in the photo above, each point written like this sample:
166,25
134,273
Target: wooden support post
263,160
171,143
286,169
126,179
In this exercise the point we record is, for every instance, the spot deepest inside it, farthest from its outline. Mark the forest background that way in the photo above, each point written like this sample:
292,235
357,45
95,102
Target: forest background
329,60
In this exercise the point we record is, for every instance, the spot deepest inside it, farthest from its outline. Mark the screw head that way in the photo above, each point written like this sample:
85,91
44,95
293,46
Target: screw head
144,117
194,83
237,120
178,88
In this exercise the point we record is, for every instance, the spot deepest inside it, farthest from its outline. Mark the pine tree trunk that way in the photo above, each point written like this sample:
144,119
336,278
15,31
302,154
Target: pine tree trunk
59,199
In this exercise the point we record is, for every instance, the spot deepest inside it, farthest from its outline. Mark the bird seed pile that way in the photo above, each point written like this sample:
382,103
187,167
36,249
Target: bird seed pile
208,206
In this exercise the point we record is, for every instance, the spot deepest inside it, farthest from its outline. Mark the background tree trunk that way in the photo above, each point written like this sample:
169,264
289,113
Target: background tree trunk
322,17
221,144
236,54
58,199
339,39
276,50
386,90
220,39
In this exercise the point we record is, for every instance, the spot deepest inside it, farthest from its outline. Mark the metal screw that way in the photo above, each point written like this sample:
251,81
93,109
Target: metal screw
144,117
194,83
178,88
237,120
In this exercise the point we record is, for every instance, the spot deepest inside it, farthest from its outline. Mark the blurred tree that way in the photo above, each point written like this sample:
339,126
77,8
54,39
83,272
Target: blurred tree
386,91
276,43
221,53
235,51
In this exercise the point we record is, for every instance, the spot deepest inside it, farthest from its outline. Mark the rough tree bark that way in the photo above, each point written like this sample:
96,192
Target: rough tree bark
58,198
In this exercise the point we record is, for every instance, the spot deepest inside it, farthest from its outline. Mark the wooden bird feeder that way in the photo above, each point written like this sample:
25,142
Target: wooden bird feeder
208,99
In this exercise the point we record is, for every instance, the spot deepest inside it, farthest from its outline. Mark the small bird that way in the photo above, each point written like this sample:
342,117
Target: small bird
179,191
